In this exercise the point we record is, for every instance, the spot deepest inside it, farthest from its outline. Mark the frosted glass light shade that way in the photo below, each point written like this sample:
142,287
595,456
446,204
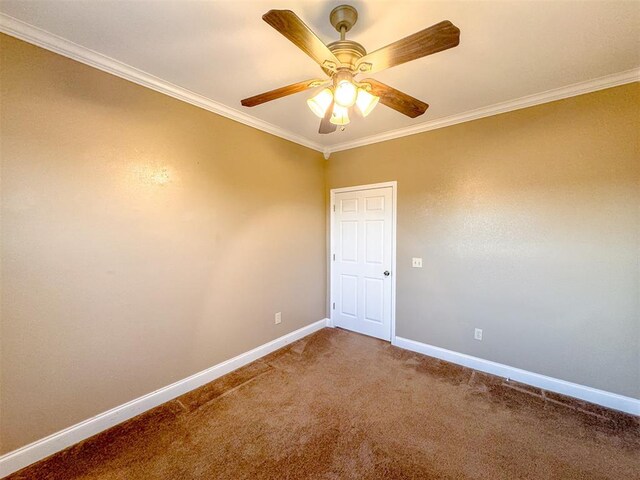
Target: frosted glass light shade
320,102
366,102
340,115
346,93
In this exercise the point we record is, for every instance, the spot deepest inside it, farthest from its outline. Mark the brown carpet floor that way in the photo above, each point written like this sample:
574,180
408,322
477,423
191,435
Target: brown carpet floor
337,405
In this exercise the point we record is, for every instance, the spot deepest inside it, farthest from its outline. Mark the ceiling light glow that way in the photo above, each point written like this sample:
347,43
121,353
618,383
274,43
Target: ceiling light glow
346,93
320,102
340,115
366,102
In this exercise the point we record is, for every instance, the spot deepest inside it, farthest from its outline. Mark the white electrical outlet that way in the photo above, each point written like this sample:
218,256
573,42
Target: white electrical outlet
416,262
478,334
278,318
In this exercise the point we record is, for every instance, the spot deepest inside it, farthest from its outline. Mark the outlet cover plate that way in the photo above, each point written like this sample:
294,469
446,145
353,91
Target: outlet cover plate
478,334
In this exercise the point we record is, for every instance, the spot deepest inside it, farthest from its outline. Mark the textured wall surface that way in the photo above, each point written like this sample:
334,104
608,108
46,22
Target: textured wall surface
528,224
143,240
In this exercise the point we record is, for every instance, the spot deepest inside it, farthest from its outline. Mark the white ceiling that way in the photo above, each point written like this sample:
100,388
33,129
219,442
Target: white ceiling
224,51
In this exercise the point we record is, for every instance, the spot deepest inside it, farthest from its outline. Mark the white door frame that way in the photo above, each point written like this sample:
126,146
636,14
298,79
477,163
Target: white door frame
394,224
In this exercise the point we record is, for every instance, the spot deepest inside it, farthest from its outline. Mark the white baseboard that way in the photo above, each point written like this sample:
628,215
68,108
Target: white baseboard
589,394
22,457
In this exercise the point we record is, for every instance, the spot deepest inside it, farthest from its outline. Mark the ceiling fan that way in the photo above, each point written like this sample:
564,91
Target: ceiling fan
344,96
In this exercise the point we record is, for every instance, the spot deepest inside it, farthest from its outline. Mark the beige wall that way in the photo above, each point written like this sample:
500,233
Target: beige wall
143,240
528,224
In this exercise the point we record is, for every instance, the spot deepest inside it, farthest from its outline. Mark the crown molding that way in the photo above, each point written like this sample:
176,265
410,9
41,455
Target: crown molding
614,80
42,38
24,31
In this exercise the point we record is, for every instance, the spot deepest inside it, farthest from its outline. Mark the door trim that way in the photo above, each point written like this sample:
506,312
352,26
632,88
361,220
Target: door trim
394,224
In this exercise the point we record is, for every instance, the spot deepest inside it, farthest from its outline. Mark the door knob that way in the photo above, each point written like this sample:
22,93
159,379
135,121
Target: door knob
387,273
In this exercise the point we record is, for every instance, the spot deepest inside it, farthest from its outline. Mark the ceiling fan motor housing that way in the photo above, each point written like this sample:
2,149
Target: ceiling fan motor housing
348,52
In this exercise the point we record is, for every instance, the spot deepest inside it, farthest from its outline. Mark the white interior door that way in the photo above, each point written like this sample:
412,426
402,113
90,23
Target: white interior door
361,261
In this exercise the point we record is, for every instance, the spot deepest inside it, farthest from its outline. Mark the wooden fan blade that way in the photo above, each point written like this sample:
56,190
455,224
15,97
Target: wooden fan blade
325,125
436,38
399,101
281,92
289,24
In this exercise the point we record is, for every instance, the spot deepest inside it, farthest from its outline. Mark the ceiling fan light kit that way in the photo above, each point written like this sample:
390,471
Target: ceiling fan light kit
344,59
339,115
321,102
366,102
345,93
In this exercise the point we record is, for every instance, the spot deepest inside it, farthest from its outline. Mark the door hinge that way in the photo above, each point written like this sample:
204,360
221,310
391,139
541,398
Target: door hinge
334,208
334,257
334,305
